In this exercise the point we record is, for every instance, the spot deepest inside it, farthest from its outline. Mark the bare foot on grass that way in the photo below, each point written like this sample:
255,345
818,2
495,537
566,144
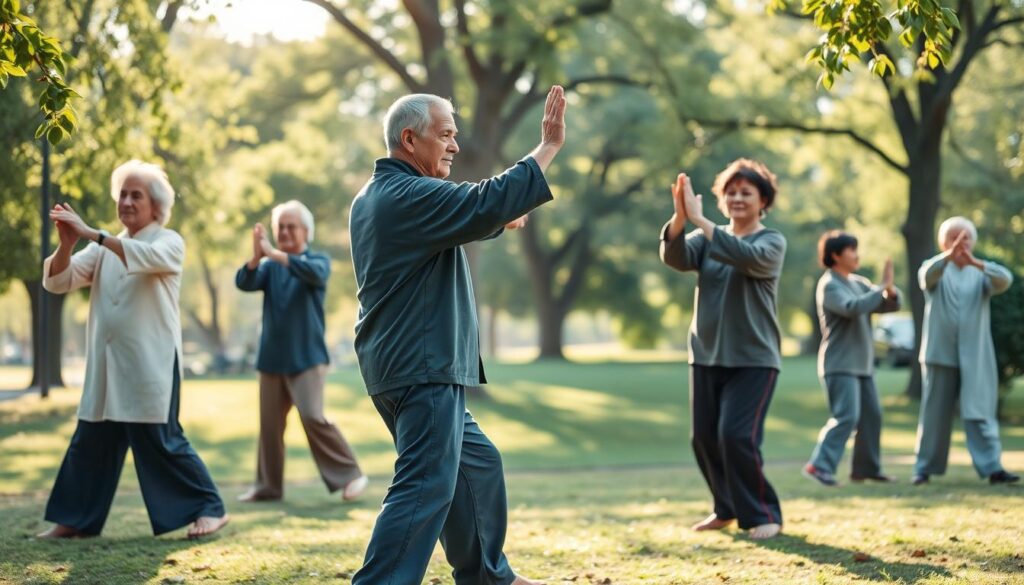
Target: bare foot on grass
207,525
712,522
765,531
61,531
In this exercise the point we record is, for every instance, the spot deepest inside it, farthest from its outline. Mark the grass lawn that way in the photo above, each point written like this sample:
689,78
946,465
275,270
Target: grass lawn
601,481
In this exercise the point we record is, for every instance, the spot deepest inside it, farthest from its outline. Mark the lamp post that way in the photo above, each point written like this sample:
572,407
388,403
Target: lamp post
44,250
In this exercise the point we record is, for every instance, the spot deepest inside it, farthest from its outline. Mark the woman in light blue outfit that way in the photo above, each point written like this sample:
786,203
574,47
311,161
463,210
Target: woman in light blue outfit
957,355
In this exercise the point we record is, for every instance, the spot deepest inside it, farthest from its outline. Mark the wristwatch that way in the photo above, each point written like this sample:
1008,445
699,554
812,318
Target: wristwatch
101,235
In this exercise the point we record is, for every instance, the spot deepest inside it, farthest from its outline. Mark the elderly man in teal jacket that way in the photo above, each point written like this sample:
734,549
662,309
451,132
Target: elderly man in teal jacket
417,339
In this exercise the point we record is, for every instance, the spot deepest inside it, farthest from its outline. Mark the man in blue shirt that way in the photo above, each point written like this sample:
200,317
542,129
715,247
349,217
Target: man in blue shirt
292,358
417,339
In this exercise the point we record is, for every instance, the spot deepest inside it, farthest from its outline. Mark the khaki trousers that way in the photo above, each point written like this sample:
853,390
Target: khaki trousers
333,456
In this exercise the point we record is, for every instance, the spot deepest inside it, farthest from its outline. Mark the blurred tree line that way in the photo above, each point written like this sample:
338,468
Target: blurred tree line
656,87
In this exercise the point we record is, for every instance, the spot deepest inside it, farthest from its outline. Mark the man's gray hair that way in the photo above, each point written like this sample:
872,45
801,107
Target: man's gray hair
155,179
413,112
304,214
956,222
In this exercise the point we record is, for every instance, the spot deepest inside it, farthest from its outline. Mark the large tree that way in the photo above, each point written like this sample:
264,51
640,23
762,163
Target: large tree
494,59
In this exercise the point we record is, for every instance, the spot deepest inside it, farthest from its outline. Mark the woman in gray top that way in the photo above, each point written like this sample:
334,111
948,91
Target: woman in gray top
957,356
846,360
734,339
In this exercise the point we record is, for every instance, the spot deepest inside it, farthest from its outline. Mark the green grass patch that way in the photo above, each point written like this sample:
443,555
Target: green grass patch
601,482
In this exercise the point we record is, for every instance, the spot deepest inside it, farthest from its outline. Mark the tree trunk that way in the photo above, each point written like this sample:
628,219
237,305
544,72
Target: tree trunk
919,234
813,341
51,358
212,331
492,332
550,325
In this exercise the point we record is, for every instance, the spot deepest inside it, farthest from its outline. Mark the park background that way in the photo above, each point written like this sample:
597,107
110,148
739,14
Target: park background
252,103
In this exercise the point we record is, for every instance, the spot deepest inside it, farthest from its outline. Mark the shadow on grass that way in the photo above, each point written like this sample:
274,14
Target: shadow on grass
127,553
96,560
44,419
869,569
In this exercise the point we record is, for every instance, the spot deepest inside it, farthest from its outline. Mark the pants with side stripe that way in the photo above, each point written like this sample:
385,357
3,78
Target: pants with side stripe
727,411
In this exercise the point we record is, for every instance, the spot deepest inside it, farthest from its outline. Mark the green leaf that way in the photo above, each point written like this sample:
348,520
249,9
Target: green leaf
950,18
813,55
65,123
14,70
886,63
40,131
55,134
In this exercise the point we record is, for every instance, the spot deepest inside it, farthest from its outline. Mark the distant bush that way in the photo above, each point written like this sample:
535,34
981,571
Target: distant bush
1008,334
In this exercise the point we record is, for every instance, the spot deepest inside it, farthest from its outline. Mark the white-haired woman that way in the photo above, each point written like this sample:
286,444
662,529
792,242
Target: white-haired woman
133,372
292,359
957,356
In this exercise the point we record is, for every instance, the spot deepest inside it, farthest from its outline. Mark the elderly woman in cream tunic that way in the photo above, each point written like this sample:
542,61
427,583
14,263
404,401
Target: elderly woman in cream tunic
957,356
133,373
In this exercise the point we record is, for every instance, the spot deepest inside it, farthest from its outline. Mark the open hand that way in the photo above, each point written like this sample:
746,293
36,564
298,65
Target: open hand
552,126
68,237
678,201
257,242
517,223
888,276
954,249
966,257
693,204
63,215
264,244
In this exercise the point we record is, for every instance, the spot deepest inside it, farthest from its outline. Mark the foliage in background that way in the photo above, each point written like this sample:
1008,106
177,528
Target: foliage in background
1008,334
856,29
26,49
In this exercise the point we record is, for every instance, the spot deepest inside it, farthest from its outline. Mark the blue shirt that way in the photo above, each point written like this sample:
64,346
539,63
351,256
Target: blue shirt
417,320
292,340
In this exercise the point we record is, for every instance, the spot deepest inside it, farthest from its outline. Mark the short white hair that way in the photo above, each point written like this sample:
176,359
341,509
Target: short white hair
305,215
155,179
956,222
413,112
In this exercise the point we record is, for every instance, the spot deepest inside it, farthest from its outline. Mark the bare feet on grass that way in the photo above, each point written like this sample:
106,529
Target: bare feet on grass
207,525
765,531
355,488
524,581
712,522
61,531
255,495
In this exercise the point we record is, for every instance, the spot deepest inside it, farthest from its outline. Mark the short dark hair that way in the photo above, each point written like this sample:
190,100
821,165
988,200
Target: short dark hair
831,243
750,170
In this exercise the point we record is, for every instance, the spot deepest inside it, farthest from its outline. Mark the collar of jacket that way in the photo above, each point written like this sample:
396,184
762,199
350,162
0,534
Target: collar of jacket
394,165
145,234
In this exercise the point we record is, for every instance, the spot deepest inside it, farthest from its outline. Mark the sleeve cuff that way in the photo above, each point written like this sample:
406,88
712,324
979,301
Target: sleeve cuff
58,282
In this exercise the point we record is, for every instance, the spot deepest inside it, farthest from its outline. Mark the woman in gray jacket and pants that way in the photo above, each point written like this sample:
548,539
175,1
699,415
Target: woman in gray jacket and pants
846,366
734,339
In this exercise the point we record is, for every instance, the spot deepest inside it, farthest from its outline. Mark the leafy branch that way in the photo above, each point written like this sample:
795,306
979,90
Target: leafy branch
24,47
853,28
